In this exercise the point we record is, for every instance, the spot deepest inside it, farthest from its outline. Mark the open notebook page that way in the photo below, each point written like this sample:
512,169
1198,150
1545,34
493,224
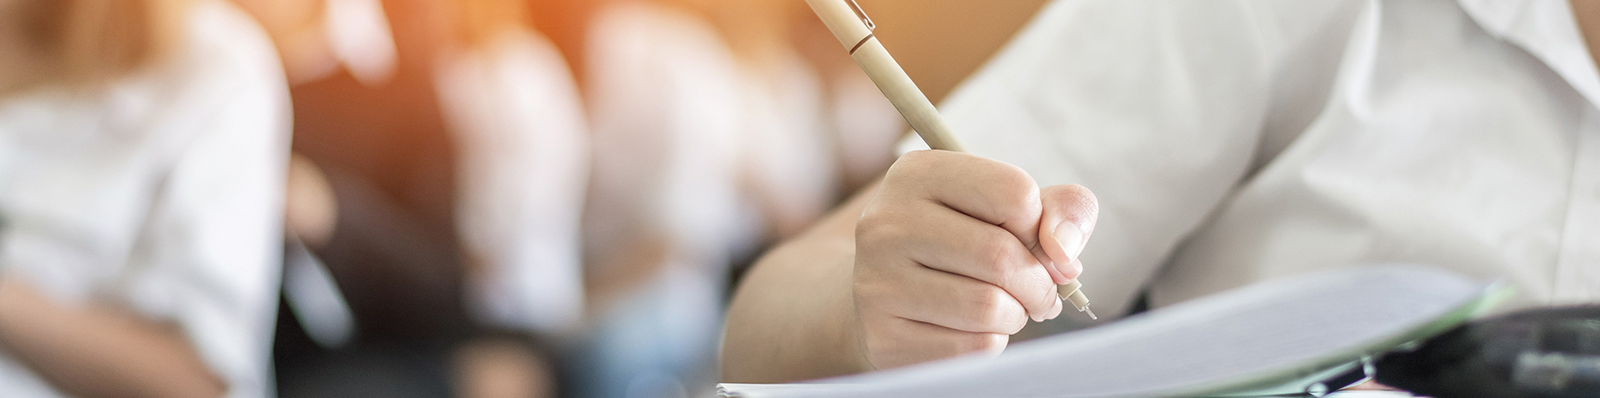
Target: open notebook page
1269,332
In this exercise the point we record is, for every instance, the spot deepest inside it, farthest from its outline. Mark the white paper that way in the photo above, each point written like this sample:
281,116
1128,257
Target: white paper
1277,330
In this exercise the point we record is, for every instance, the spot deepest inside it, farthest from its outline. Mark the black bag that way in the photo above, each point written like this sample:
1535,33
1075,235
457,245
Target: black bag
1537,353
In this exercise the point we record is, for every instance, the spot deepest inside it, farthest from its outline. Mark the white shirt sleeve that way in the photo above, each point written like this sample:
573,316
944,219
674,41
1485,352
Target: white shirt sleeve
1158,107
214,234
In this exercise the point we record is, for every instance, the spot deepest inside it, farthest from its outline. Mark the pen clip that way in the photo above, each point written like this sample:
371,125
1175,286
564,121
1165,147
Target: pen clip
863,14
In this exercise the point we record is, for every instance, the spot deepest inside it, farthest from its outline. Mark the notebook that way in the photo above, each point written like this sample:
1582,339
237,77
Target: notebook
1282,336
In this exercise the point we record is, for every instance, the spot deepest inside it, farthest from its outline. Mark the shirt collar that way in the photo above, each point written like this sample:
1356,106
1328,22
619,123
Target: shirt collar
1546,29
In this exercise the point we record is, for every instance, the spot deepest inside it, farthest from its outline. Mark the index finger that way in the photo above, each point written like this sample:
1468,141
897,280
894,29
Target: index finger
985,189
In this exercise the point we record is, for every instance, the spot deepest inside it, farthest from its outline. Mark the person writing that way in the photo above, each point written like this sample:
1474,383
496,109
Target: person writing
1225,143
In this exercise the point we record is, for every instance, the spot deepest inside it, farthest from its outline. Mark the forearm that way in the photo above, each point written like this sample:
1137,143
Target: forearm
99,352
792,318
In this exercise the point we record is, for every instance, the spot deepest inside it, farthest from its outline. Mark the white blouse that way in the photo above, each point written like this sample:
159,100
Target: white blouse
161,193
664,101
694,143
1235,141
523,156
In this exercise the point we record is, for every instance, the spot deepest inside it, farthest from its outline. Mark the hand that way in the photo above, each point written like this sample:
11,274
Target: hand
98,350
311,211
956,252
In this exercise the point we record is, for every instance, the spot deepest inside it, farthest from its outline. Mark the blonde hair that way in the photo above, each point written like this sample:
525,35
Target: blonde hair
85,42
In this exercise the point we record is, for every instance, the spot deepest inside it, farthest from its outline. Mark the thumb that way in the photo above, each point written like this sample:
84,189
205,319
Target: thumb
1069,216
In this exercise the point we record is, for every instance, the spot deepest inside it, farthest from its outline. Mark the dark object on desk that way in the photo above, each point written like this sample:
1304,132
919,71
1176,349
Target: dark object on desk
1539,353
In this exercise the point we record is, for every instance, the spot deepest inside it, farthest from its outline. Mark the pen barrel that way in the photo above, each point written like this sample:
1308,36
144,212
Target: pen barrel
851,27
906,97
855,36
841,20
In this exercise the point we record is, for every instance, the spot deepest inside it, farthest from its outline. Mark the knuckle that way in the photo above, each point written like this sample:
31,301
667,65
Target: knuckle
1014,318
1013,177
879,232
915,156
995,310
1021,193
1047,292
998,253
976,342
994,343
984,303
912,164
871,219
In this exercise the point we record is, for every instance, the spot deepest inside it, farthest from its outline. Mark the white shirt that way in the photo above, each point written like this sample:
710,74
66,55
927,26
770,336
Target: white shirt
663,103
523,151
1231,142
161,193
693,146
695,143
664,107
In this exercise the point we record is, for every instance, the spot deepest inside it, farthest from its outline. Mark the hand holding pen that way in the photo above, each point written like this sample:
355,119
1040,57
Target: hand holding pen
954,252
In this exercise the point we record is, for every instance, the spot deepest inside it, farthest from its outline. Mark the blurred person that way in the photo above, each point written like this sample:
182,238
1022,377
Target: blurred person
142,152
664,218
713,134
524,153
1226,143
443,162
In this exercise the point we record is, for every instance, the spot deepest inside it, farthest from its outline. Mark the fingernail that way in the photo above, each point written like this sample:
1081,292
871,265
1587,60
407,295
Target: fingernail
1057,272
1071,238
1057,311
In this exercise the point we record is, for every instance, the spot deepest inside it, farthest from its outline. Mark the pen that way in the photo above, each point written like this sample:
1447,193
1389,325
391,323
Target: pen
853,28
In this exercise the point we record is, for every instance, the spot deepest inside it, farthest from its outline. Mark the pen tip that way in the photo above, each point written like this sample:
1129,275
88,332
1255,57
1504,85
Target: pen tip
1091,314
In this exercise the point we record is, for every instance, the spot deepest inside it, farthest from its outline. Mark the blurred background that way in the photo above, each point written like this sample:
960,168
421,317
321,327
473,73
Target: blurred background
547,198
482,198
